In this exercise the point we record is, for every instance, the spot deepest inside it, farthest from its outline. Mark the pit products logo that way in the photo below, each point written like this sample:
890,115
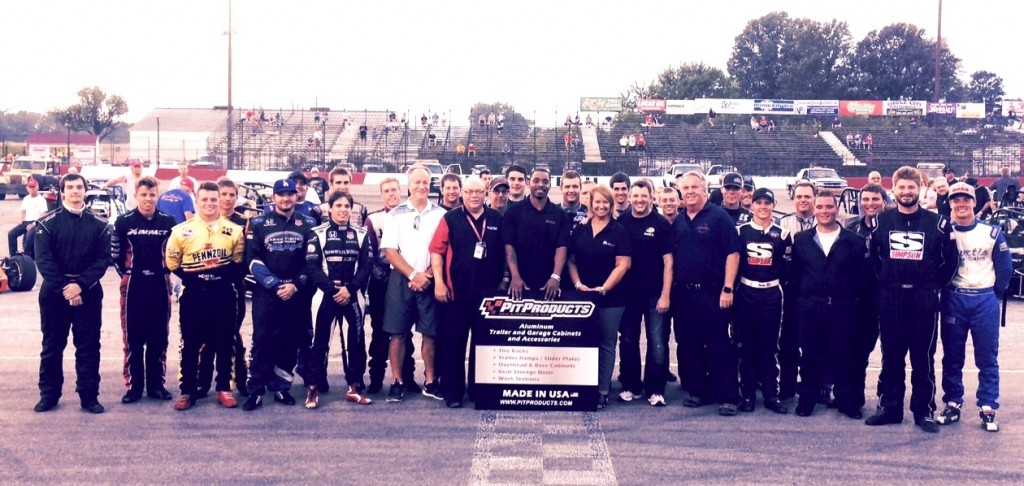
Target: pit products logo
906,245
534,310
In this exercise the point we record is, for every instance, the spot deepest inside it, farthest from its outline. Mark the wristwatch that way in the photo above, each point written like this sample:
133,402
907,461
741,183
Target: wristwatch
727,289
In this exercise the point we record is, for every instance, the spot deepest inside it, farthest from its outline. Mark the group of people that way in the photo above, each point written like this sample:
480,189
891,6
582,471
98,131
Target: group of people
654,260
632,142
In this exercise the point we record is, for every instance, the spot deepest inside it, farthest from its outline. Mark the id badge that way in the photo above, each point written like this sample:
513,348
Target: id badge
480,251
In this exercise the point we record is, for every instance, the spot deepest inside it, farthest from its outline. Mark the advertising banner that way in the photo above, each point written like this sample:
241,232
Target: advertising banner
970,110
535,354
680,107
905,107
650,106
1016,107
600,104
774,107
941,108
725,106
816,107
860,108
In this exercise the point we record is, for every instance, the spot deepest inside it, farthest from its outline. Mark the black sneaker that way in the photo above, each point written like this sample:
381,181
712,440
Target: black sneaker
397,392
453,403
775,405
727,409
988,419
805,407
375,387
602,402
45,405
694,402
671,378
283,397
825,397
133,395
747,405
411,386
884,417
159,393
92,406
852,412
200,393
949,415
433,390
253,402
927,424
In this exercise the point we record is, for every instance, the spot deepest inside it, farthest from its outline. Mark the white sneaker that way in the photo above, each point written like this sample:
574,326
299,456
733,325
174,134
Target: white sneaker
656,400
626,396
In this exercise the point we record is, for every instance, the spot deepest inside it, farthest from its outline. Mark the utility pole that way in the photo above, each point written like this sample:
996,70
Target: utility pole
938,54
231,117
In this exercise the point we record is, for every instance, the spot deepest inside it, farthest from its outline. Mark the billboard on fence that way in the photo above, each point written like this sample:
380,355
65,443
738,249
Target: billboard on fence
774,107
536,354
816,107
970,110
860,108
941,108
1017,107
680,107
600,104
650,106
724,106
905,107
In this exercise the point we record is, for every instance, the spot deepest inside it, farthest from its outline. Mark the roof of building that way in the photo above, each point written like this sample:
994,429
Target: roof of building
183,120
61,139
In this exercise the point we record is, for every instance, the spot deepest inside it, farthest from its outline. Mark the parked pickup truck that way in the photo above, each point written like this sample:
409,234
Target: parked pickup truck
821,177
669,179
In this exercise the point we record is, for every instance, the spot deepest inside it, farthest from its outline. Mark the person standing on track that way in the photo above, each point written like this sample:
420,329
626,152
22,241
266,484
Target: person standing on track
802,219
971,304
536,237
137,247
913,255
72,255
206,253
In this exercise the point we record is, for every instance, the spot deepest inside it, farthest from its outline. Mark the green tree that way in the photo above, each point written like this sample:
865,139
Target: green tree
758,54
512,117
17,125
691,81
95,113
984,86
816,60
898,61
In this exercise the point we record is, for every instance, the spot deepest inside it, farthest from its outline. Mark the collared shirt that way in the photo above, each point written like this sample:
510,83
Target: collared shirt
795,224
577,214
595,258
456,240
535,235
409,231
702,246
210,251
651,239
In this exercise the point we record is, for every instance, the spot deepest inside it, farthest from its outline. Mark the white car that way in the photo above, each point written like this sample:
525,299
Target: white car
669,179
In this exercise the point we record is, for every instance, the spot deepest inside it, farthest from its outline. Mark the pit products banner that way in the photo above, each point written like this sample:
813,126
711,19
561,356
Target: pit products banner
600,104
536,354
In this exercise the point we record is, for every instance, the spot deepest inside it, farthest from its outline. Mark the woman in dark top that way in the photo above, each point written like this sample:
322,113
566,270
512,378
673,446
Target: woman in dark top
598,258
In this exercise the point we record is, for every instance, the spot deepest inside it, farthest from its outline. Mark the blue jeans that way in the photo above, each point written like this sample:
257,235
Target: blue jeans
979,314
608,318
629,347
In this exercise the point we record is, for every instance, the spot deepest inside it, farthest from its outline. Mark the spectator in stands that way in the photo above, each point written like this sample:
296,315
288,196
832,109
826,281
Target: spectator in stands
374,135
836,123
491,119
460,149
1003,185
868,142
589,121
753,123
506,150
577,120
771,125
431,139
482,121
641,142
316,117
649,120
763,122
423,120
434,119
624,143
444,120
849,140
567,139
568,120
632,142
471,150
711,117
858,141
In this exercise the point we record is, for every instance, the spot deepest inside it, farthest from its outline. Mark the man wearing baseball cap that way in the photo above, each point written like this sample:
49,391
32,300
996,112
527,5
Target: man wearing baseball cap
177,201
32,207
971,304
757,318
497,194
732,188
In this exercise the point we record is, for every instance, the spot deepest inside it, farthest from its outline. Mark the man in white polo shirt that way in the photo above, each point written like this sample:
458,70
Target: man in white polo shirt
408,231
32,207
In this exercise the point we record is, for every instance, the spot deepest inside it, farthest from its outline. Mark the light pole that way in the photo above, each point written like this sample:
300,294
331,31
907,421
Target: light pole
938,54
67,151
231,116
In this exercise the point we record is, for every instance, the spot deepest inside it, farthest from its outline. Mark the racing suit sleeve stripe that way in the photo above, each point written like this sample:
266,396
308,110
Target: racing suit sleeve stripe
116,252
263,275
1003,263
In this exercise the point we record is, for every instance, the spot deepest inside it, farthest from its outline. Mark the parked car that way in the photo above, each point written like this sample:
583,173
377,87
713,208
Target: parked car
669,179
821,177
715,173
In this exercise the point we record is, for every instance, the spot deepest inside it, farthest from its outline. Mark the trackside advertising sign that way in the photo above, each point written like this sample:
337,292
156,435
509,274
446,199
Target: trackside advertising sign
536,354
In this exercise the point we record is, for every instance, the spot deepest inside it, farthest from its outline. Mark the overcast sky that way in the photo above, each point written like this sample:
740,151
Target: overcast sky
420,57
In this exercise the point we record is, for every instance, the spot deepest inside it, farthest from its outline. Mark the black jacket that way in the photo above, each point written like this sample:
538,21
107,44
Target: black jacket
840,276
913,250
72,248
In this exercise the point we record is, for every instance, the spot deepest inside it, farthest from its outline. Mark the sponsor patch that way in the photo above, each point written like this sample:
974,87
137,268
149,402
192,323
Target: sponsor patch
906,245
187,232
540,310
759,254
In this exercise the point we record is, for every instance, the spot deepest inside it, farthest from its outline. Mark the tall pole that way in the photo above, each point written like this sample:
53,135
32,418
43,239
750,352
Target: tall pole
938,54
158,142
231,116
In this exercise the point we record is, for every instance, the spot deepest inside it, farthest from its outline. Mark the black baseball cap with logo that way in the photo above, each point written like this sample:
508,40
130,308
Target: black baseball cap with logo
732,180
765,193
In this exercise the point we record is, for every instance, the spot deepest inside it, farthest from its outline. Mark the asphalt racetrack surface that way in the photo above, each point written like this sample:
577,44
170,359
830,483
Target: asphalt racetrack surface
419,441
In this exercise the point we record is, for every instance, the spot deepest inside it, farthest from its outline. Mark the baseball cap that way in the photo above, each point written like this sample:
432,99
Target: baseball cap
32,182
136,163
961,189
284,185
764,192
497,181
732,179
187,182
748,183
298,176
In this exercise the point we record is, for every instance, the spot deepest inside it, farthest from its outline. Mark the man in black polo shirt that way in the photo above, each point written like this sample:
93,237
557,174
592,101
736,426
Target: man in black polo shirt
706,261
732,193
536,238
648,286
467,260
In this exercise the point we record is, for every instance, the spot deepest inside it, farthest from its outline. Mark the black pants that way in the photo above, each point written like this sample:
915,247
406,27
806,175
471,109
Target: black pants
454,333
789,347
380,341
275,336
207,315
908,322
237,357
757,318
58,319
326,315
304,343
867,338
828,333
19,230
145,321
709,358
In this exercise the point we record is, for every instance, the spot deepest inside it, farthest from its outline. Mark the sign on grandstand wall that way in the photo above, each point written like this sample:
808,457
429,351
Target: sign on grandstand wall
970,110
904,107
816,107
725,106
941,108
860,108
1017,107
650,106
536,354
680,107
600,104
774,107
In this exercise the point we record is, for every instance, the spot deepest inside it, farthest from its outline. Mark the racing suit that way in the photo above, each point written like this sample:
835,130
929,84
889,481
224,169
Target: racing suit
789,335
72,246
867,317
757,314
347,259
137,246
913,256
276,248
207,256
375,292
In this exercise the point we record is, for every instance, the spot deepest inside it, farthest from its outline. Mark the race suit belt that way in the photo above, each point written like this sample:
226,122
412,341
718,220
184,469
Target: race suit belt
964,290
759,285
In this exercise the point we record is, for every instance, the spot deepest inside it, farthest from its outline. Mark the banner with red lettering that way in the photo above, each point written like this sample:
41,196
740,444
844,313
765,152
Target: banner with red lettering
860,108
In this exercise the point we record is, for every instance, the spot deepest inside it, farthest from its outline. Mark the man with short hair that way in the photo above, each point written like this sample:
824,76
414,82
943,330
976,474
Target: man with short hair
1001,187
732,188
802,219
585,190
406,241
705,264
485,176
466,260
871,205
575,208
971,304
302,206
764,263
72,254
130,181
451,191
875,177
747,196
137,249
177,201
668,203
341,180
648,286
913,256
516,176
183,175
620,192
497,197
536,238
206,253
33,206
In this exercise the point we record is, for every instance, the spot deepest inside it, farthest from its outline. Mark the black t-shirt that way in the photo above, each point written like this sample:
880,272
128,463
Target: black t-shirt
739,215
715,197
702,245
651,239
535,235
595,258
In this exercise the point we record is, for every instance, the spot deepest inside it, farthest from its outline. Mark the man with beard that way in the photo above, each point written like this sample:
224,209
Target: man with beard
571,203
620,190
732,187
451,192
913,256
516,177
536,238
802,219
